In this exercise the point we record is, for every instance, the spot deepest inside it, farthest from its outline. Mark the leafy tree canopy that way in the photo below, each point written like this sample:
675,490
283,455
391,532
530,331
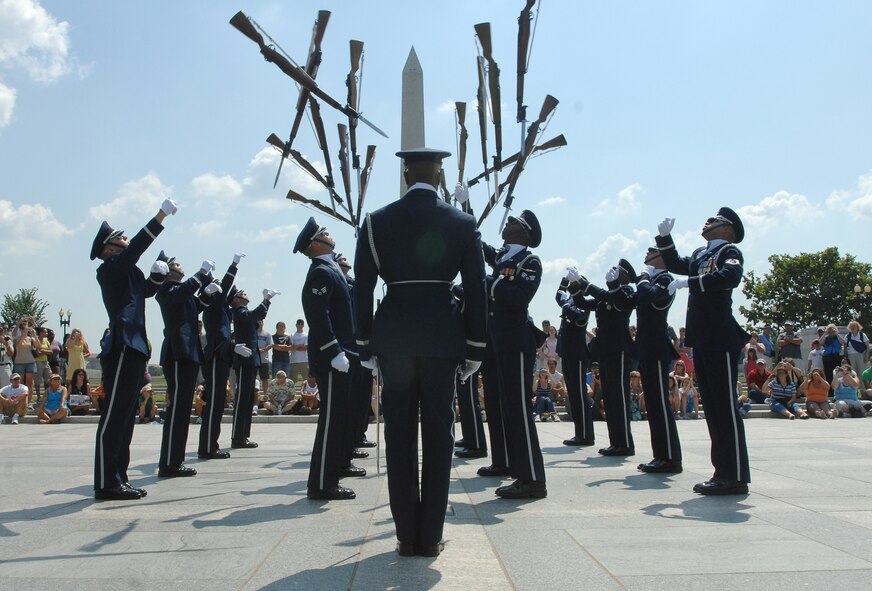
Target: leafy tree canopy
24,303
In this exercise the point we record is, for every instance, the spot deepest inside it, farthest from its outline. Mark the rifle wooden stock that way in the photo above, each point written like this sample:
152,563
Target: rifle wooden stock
356,52
523,50
243,24
294,196
365,174
555,142
321,134
460,108
481,100
343,165
483,30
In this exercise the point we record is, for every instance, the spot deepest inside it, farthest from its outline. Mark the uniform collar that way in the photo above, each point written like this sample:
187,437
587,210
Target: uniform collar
425,186
328,258
511,250
713,244
657,272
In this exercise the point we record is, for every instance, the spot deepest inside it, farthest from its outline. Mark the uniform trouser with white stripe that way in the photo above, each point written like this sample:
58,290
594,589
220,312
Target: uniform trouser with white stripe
661,420
123,372
493,408
181,375
471,425
245,376
580,404
516,396
216,372
615,378
360,402
333,438
410,383
716,372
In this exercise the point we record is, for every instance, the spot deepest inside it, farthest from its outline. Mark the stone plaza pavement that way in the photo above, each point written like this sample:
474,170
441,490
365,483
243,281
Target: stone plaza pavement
245,523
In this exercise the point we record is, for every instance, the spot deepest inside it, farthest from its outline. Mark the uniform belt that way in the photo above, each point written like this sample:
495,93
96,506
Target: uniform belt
419,281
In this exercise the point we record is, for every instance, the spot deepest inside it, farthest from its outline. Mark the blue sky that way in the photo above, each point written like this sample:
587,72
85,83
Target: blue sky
670,109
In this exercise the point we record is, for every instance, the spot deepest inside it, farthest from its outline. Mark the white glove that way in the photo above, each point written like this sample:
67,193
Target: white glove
238,257
469,367
268,294
242,351
461,193
160,268
572,273
371,364
207,266
648,270
680,283
169,207
212,288
612,274
340,363
665,227
563,298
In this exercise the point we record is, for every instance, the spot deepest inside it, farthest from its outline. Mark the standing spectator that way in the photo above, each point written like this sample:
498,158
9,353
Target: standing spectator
815,357
758,348
13,400
751,359
856,347
299,353
833,344
7,354
685,352
54,359
265,344
79,393
26,345
548,350
43,371
783,394
816,389
789,343
765,337
53,407
756,380
281,346
77,352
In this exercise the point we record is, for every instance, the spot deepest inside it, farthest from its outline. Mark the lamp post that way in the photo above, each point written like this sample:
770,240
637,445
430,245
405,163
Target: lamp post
861,301
65,324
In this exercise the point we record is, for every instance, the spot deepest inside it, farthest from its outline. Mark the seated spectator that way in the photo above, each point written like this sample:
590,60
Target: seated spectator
53,407
816,390
558,384
595,391
637,398
680,371
743,403
97,398
782,393
674,396
845,386
789,343
281,394
543,406
832,343
199,403
309,394
795,373
13,400
146,404
688,394
756,381
856,347
815,357
867,382
79,391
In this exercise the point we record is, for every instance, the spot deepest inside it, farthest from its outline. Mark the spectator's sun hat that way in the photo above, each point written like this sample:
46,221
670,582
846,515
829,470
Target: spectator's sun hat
761,362
15,376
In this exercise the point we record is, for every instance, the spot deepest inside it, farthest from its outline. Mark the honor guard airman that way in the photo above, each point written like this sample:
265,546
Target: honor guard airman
246,362
656,354
333,359
218,355
574,354
124,289
612,349
511,286
419,337
473,443
181,356
710,274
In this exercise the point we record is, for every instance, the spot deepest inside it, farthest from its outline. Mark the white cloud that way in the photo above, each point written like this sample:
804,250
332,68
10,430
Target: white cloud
615,247
551,201
858,200
262,171
772,212
272,204
28,229
7,104
207,229
32,38
278,233
558,266
212,186
626,201
135,200
446,107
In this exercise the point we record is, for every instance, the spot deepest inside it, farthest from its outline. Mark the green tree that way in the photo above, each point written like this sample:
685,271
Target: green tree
812,289
24,303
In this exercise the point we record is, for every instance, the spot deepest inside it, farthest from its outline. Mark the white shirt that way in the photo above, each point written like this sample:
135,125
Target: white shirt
12,392
511,250
299,338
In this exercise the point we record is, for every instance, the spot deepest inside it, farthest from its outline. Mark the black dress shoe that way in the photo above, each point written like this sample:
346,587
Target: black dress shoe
365,443
460,443
218,454
523,489
467,452
352,471
359,454
578,441
405,549
617,451
176,471
142,492
337,493
430,550
118,493
659,466
242,443
716,486
493,470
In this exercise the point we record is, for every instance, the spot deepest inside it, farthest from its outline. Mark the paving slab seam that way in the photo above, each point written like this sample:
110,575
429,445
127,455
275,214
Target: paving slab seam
382,482
256,570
